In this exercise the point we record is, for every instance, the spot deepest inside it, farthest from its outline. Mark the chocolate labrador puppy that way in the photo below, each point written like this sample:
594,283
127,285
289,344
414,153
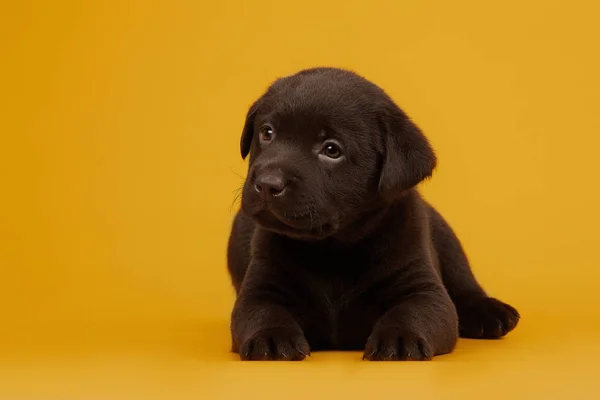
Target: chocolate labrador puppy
334,248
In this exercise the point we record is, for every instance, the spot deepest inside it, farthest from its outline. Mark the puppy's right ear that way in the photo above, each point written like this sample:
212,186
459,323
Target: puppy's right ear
248,131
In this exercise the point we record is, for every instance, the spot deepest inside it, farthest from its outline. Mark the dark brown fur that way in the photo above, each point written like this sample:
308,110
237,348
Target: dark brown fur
343,253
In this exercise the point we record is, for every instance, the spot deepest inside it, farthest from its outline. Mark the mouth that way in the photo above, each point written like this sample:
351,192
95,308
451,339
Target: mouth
298,225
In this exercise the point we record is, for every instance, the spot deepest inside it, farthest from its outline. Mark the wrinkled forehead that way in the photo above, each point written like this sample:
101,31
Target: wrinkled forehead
317,114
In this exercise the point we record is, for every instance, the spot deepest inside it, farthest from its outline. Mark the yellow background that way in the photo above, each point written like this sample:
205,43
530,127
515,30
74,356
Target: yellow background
119,164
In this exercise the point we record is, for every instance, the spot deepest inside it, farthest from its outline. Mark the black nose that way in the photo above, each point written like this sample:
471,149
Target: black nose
270,184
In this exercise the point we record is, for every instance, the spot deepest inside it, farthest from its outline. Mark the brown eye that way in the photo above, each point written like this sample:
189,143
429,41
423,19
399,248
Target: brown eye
266,134
332,150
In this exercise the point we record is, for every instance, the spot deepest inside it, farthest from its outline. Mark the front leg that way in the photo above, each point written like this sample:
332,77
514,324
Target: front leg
421,324
262,327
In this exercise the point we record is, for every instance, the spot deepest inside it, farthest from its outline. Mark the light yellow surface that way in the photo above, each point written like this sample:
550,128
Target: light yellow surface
119,164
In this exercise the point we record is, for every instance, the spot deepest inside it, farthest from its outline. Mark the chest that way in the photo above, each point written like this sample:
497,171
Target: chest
334,298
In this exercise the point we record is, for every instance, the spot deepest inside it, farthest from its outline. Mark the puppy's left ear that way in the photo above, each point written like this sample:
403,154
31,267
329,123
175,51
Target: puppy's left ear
408,156
248,131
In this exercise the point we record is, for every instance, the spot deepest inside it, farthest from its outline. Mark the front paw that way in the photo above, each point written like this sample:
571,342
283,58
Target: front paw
486,318
281,343
396,344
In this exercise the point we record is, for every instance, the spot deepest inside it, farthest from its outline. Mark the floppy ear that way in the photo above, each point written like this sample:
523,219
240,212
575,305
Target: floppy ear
408,156
248,131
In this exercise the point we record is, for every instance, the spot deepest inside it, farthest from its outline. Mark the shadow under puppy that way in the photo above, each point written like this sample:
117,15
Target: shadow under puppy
334,249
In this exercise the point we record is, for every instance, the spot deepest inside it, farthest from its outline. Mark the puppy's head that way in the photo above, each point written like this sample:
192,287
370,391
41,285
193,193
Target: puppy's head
327,147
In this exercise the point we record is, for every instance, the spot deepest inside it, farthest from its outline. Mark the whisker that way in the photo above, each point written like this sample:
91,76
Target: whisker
236,174
237,196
